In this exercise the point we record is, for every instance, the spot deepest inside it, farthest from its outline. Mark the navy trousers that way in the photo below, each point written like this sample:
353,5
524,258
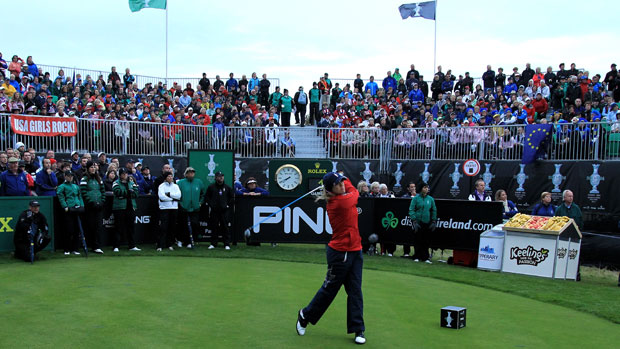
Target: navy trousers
343,268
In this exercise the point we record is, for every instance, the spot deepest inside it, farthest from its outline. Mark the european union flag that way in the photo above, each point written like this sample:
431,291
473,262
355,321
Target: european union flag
536,138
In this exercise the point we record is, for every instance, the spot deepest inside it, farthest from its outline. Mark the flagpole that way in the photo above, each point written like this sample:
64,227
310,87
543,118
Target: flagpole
435,41
166,43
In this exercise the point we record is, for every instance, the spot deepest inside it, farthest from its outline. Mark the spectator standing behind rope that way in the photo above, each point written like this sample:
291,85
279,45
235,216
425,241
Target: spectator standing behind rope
570,209
21,237
124,208
220,200
169,196
544,207
423,213
344,259
193,191
93,194
71,202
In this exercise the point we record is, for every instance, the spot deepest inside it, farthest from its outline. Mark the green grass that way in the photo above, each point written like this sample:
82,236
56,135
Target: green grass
165,301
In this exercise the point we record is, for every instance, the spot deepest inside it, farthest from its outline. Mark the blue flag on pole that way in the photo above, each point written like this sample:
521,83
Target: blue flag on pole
419,9
536,139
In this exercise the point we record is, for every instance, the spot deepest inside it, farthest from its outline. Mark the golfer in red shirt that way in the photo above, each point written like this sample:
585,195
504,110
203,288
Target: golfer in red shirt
344,259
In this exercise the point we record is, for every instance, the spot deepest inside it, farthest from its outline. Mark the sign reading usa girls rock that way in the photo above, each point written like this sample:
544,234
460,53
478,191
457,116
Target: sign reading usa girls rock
43,126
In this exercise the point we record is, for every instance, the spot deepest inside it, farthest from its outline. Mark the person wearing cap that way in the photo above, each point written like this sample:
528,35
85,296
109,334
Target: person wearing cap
146,185
124,208
219,197
193,191
103,164
344,259
14,181
46,180
544,207
72,204
75,161
28,220
423,214
169,195
252,189
93,194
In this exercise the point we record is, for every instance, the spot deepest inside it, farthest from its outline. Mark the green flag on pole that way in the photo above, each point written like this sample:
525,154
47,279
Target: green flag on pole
137,5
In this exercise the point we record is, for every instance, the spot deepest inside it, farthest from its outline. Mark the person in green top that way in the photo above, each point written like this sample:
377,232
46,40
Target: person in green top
315,97
570,209
124,208
423,213
397,75
71,202
287,107
274,99
93,194
193,191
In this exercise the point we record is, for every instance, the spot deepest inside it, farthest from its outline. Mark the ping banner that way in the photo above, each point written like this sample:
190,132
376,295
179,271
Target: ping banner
459,223
43,126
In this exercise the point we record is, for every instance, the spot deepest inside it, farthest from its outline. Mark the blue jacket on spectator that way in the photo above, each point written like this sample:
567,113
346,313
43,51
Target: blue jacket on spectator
447,86
543,210
416,95
76,165
373,87
389,82
259,190
46,183
33,69
145,185
14,184
509,88
512,210
253,83
232,84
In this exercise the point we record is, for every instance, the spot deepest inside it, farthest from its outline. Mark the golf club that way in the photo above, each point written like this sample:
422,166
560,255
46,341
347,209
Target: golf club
247,233
191,233
82,236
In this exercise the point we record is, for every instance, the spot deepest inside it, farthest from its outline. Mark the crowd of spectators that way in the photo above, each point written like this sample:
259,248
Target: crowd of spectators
440,111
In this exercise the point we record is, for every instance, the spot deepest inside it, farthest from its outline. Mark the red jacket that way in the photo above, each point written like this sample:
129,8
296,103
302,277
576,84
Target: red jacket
540,106
342,213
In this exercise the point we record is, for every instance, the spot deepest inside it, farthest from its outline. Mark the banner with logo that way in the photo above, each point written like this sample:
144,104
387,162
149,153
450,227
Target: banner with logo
11,208
46,126
529,255
208,162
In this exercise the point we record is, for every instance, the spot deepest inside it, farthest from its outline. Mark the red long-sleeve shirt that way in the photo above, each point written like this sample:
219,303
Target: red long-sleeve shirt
342,213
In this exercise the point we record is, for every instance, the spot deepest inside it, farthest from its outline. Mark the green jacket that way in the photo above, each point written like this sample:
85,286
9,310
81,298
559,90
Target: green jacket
69,195
573,212
192,194
287,104
92,191
122,191
315,95
423,209
274,99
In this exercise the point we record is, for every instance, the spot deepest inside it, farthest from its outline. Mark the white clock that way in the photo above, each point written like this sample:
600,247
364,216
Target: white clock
288,177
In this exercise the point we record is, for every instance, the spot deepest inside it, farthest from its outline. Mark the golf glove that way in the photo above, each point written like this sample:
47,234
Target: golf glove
433,226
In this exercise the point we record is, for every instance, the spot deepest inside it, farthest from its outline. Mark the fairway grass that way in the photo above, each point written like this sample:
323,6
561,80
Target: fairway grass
157,301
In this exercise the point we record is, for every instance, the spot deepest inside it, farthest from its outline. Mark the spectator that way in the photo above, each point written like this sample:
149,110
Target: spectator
423,214
4,162
193,191
205,84
219,197
252,189
128,78
113,77
300,101
488,78
389,82
371,87
124,208
315,98
108,182
510,209
46,181
287,107
479,194
22,238
145,186
232,85
93,195
362,189
288,145
374,189
410,192
569,209
544,207
13,182
383,191
169,195
71,202
263,89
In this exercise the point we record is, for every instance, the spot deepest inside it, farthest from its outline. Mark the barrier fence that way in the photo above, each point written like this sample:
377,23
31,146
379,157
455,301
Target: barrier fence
583,141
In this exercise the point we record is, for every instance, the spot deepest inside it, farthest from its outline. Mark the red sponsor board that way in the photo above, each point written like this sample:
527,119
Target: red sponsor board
45,126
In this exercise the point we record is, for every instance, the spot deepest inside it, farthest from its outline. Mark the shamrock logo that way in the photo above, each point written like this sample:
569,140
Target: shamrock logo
389,220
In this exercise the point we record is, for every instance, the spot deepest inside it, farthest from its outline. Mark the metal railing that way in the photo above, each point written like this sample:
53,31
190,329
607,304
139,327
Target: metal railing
141,80
582,141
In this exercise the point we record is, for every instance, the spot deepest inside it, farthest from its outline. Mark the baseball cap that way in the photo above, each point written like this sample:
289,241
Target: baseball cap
74,152
99,155
68,173
250,180
331,179
189,169
218,174
34,203
13,159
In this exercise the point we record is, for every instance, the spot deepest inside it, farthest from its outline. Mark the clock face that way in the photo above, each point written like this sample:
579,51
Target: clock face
288,177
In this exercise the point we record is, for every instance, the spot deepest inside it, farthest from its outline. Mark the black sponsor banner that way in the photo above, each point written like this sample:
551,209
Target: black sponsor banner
459,223
305,221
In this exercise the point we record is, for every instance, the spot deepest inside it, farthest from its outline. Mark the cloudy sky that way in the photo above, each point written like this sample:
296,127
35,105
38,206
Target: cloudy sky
298,41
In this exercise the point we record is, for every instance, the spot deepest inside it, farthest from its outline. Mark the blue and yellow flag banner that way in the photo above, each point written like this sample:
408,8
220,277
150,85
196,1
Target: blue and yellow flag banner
536,139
